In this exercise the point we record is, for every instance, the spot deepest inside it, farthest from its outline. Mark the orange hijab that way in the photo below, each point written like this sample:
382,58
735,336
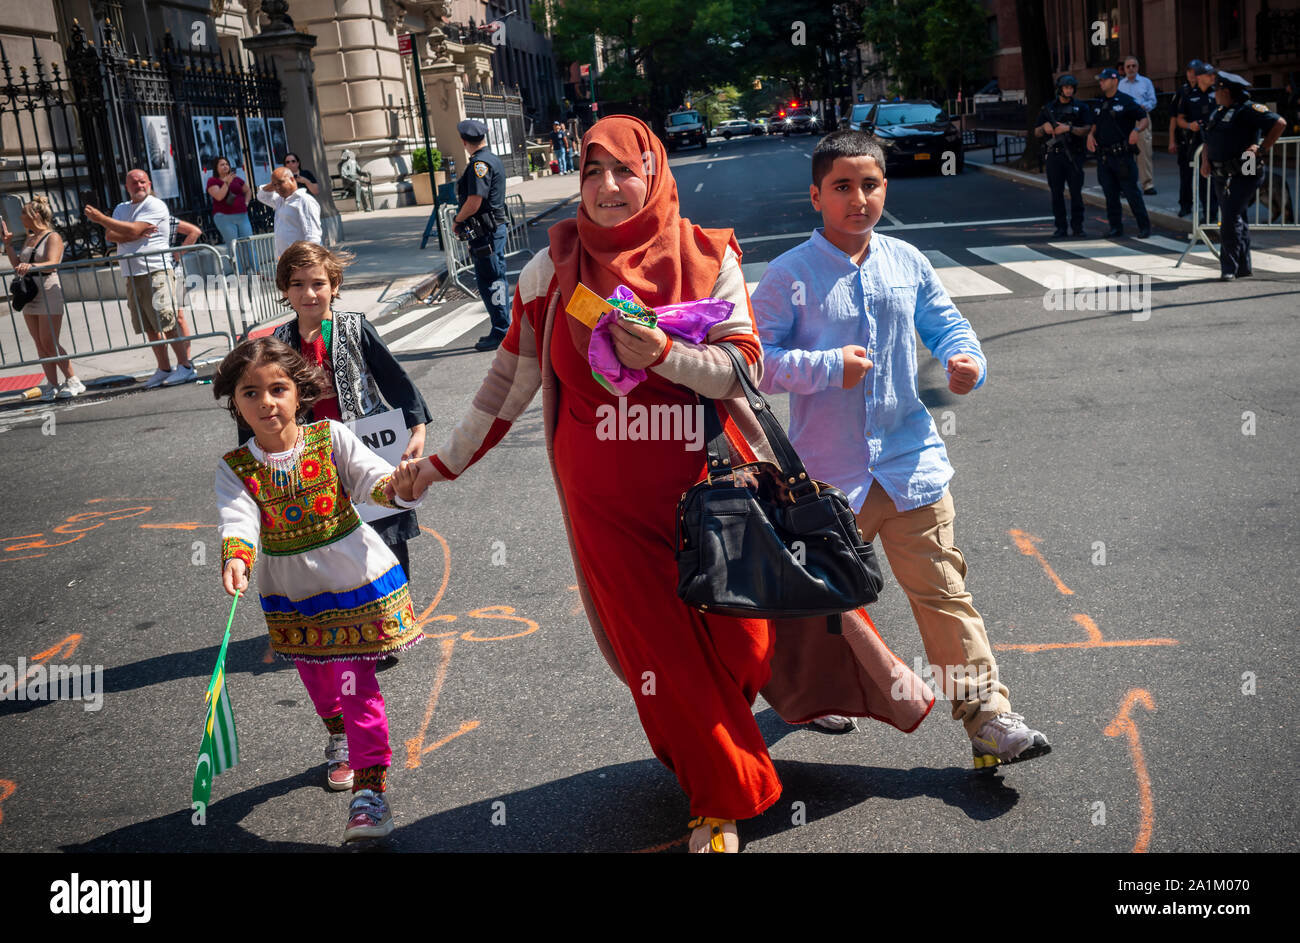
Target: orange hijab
662,257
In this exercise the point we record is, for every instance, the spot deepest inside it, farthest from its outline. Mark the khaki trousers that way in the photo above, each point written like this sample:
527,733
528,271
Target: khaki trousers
919,546
1144,158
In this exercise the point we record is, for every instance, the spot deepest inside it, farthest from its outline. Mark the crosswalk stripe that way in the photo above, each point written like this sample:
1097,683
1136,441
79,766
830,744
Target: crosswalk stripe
1159,266
1040,268
1264,261
960,281
393,326
443,331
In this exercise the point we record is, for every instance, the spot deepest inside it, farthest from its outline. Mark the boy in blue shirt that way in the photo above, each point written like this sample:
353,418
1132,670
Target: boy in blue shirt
838,317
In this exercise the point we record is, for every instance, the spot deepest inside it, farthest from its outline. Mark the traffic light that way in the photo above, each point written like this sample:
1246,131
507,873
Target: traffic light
758,85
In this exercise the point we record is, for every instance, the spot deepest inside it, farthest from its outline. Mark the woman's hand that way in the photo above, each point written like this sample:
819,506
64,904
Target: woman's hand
5,234
415,445
234,578
636,345
22,269
405,481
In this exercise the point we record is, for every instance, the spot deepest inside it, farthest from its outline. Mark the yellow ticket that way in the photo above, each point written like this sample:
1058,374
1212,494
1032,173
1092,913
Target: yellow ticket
586,306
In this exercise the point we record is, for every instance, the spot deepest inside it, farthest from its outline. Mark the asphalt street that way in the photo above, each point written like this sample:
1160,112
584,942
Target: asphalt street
1126,501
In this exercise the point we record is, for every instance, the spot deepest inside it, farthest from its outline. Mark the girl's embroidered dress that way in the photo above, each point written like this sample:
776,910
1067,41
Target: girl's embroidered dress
331,590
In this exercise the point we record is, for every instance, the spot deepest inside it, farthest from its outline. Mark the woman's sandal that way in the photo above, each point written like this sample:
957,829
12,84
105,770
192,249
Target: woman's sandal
709,835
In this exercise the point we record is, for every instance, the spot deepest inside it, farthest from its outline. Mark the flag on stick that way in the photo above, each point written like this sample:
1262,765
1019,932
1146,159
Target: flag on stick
219,748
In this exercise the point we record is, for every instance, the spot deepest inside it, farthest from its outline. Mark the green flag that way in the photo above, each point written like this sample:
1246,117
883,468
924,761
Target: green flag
219,748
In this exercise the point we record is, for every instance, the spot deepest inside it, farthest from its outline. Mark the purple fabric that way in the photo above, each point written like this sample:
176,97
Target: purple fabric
689,320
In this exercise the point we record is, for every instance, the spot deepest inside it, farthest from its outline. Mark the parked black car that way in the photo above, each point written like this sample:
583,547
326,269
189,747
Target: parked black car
911,133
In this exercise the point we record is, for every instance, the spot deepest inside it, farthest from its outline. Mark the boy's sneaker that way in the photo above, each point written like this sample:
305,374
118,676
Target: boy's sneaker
836,723
1006,739
157,379
182,374
368,816
338,775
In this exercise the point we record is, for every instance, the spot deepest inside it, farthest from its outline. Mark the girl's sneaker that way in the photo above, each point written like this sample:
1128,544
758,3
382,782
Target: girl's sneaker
69,388
48,392
338,775
368,816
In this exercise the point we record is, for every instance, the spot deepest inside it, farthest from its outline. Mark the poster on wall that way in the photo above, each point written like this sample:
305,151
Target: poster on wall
259,149
279,140
206,145
161,159
231,147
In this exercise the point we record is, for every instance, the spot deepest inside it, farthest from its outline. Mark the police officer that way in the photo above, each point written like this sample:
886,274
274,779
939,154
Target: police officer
1114,136
1234,156
1195,110
1180,139
1065,123
481,219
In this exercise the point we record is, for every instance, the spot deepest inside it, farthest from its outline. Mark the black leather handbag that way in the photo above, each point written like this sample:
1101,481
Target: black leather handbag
766,541
24,289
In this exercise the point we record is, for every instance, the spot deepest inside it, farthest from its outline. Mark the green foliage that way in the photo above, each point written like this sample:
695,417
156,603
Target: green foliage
420,161
928,48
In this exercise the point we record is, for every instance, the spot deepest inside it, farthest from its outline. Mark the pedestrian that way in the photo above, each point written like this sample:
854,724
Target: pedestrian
559,146
142,223
1065,123
1117,123
335,598
305,179
362,377
692,676
481,220
1139,88
229,196
297,214
1194,112
39,257
1181,141
837,317
1234,156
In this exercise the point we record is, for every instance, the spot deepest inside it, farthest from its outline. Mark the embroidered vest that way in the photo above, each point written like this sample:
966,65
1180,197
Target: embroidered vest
357,391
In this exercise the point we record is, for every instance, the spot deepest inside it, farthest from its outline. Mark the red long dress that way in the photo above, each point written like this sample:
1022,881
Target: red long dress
693,677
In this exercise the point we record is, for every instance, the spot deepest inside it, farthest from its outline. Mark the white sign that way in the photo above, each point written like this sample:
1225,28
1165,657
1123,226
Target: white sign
384,434
161,160
259,150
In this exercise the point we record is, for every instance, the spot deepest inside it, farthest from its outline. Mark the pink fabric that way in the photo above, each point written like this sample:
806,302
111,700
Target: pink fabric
689,320
351,687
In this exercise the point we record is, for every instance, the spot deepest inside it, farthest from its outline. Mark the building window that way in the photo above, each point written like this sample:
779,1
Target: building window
1101,32
1229,24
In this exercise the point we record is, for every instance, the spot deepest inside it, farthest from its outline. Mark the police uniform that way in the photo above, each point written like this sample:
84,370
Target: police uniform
1197,106
1065,154
1184,142
485,177
1230,130
1114,119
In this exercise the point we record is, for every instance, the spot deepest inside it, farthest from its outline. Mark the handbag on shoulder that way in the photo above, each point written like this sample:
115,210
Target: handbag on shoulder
24,289
766,541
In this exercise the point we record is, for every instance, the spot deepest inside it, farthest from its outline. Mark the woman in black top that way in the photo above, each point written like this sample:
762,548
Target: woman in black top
306,179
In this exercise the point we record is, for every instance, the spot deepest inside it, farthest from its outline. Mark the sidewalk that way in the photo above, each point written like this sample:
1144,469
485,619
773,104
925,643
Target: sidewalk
1162,208
389,262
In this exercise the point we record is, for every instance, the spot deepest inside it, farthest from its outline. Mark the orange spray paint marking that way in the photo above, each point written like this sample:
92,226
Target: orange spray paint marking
1095,640
499,612
415,746
576,610
7,787
664,847
64,650
30,556
1026,544
1124,724
446,576
189,525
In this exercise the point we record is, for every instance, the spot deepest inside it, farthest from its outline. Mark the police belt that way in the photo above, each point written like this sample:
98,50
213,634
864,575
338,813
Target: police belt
1115,150
1227,168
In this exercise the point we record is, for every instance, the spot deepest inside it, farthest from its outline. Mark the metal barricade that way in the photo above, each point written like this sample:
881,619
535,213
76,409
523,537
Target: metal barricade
460,263
255,262
1274,206
96,314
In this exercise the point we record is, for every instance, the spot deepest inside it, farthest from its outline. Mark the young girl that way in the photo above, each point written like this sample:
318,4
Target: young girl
361,373
334,596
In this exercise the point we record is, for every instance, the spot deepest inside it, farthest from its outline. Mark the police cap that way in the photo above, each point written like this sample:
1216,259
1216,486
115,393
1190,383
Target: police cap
1108,74
1193,65
1230,80
1203,68
1067,80
469,129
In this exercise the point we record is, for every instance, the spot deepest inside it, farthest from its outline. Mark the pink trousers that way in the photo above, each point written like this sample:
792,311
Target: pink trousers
351,687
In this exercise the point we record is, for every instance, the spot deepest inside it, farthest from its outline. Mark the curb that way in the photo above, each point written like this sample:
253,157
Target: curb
1165,219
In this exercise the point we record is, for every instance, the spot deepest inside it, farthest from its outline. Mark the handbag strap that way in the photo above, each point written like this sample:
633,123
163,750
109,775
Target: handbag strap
792,467
40,242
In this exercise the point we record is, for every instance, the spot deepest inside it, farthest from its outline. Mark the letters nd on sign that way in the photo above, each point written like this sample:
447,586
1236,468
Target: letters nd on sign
384,434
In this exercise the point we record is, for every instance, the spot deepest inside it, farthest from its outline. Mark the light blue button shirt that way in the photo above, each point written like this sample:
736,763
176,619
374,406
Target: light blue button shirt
1141,90
812,302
